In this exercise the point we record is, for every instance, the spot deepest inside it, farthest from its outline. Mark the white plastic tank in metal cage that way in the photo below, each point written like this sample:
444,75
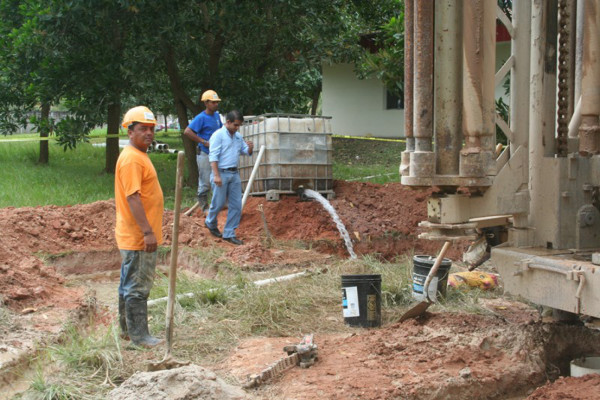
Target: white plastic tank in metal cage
298,152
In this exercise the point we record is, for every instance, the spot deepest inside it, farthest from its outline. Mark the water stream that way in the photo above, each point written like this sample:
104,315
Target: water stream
338,222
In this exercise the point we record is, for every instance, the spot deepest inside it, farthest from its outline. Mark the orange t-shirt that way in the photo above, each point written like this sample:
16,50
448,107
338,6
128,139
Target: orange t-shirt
135,173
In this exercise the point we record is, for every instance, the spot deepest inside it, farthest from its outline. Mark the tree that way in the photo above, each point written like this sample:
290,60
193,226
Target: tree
101,56
386,63
260,56
26,70
91,40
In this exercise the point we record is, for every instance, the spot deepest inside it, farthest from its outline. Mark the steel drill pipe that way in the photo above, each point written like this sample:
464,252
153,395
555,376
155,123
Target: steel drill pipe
423,75
422,160
448,88
408,86
519,78
479,19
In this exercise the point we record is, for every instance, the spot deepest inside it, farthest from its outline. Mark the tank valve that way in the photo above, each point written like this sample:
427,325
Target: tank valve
301,194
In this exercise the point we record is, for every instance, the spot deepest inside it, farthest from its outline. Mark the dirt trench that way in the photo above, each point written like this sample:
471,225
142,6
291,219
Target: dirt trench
440,356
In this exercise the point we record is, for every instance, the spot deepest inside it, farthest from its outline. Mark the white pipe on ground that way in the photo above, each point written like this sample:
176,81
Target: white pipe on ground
262,282
191,210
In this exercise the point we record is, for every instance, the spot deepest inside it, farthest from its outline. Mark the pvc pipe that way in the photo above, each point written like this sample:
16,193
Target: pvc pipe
251,180
260,153
575,120
262,282
192,209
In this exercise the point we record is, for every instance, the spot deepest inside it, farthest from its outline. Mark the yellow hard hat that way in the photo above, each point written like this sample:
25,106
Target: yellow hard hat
210,95
140,114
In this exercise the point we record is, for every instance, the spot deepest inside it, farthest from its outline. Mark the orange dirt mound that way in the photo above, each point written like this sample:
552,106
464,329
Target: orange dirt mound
381,219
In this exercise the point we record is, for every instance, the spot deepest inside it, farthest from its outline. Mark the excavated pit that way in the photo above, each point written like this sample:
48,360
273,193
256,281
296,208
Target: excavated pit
441,356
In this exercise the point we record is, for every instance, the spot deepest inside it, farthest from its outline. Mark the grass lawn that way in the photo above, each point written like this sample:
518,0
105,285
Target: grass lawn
77,176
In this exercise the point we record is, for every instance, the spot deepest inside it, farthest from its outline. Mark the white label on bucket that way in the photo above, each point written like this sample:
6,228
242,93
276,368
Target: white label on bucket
432,290
350,302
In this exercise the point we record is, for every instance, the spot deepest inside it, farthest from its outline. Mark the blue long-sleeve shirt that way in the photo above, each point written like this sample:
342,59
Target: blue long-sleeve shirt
226,148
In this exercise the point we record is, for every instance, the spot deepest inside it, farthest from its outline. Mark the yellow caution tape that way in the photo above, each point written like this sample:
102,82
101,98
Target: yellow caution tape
369,138
43,139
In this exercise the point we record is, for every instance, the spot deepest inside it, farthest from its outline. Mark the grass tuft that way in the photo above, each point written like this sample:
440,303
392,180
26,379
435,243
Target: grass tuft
50,388
6,318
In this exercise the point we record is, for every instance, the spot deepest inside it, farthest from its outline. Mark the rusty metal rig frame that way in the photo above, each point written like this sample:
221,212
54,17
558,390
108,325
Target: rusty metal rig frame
542,188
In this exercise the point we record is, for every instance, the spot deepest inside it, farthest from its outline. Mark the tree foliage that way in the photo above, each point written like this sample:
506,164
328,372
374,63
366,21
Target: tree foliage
99,57
387,64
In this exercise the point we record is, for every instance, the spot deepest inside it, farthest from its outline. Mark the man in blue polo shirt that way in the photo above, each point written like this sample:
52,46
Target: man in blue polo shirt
200,130
226,146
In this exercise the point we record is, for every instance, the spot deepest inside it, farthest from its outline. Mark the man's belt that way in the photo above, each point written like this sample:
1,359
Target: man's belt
232,169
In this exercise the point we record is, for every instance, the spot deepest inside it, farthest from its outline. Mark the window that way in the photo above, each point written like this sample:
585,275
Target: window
393,101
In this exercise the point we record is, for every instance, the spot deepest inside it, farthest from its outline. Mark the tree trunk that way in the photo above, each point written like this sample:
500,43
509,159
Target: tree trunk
182,103
315,99
44,133
112,143
175,80
189,146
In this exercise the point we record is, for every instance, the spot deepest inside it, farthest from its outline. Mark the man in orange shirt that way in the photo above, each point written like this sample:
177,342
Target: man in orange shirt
138,230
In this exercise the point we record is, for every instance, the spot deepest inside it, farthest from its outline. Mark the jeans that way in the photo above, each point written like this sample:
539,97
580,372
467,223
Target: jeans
204,171
137,274
230,190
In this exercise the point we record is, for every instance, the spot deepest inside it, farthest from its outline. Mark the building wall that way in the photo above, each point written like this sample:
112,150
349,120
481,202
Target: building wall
357,107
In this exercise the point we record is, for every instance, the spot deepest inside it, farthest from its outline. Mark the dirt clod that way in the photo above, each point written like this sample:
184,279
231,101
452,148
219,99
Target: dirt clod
189,382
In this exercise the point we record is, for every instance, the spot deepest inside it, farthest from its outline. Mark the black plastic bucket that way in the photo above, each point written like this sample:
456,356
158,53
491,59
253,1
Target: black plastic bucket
361,300
421,266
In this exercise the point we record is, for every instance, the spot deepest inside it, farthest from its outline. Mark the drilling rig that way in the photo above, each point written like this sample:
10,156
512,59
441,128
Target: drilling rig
538,196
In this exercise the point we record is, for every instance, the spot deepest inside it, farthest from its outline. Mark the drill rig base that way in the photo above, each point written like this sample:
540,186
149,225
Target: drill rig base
562,279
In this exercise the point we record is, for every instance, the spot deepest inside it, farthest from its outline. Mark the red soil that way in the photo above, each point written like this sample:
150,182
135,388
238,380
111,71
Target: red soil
446,350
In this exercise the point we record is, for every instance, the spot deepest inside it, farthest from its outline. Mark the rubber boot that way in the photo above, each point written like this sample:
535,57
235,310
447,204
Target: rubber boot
137,323
122,319
203,203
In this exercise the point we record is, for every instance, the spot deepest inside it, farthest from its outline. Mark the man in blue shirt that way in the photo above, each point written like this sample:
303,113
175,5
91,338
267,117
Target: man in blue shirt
200,130
226,146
